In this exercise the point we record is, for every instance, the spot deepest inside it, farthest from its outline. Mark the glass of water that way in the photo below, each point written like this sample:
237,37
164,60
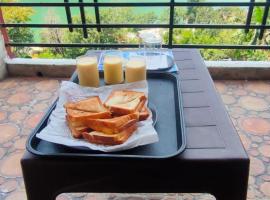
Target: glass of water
152,48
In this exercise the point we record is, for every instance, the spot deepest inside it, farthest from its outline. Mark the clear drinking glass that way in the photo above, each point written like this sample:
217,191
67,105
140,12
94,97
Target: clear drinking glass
113,67
153,53
153,44
143,37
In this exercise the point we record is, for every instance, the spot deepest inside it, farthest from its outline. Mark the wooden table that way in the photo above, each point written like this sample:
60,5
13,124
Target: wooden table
214,162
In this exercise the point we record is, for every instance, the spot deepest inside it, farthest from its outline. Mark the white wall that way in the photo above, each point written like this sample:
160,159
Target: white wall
3,69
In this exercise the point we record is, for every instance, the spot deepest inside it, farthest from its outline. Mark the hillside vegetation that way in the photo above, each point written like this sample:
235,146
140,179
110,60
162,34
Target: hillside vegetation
187,15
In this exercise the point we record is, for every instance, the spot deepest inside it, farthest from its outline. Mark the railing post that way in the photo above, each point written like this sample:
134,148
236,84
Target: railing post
265,15
249,16
85,35
97,16
171,24
68,14
3,55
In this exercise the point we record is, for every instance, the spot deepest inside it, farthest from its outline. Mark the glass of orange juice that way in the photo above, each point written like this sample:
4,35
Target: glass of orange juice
135,69
87,69
113,67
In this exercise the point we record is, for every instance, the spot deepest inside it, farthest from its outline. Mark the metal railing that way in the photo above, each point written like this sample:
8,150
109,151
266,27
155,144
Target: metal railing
171,25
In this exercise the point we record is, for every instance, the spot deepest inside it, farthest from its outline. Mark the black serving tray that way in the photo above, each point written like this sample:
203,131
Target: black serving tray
164,93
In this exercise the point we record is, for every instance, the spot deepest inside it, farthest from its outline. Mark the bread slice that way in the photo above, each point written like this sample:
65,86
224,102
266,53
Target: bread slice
115,139
140,106
114,125
144,114
91,104
125,102
75,123
79,116
76,131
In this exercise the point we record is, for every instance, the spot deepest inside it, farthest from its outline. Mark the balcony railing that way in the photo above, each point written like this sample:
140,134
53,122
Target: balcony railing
170,26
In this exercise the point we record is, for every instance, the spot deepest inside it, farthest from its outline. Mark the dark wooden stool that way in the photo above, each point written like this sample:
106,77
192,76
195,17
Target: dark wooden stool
214,162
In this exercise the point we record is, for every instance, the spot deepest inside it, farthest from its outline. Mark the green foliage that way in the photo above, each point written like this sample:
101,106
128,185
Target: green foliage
258,15
21,35
206,15
109,35
183,15
47,53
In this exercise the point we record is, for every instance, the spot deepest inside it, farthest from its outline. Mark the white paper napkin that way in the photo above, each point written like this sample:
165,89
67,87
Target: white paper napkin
58,132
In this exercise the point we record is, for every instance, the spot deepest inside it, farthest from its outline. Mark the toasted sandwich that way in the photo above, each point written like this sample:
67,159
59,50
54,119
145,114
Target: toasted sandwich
76,128
78,115
125,102
97,137
79,112
91,104
90,108
144,113
113,125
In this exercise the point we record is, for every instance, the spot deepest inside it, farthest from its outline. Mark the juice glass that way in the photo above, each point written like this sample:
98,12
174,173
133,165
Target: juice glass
87,69
113,67
135,69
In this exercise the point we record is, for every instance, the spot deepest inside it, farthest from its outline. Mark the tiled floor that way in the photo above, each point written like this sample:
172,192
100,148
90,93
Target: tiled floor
24,100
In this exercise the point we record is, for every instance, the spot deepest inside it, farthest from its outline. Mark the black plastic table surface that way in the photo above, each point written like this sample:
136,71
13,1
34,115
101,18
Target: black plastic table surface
164,95
214,160
210,132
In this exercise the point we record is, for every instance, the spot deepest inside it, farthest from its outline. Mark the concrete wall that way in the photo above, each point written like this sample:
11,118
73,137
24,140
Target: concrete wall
3,69
230,70
41,67
235,70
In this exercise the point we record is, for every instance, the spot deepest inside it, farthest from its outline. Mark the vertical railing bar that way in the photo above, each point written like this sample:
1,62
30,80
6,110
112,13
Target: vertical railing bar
171,24
68,14
85,35
97,16
5,36
265,15
249,15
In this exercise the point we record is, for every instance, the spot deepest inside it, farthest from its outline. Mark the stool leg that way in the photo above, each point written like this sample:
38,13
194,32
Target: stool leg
39,185
40,196
231,193
230,196
233,186
38,189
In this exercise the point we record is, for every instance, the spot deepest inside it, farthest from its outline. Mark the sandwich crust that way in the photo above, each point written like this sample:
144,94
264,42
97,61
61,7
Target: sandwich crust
78,115
113,125
105,139
144,114
91,104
